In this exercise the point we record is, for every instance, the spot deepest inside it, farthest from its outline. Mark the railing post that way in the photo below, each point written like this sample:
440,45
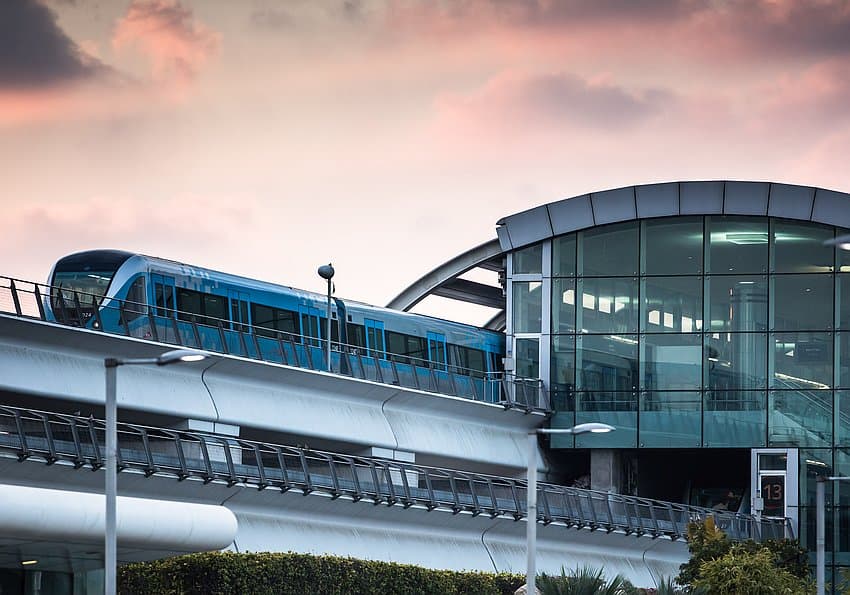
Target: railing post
15,298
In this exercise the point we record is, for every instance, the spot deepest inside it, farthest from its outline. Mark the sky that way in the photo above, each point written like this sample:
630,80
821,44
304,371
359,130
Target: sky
265,138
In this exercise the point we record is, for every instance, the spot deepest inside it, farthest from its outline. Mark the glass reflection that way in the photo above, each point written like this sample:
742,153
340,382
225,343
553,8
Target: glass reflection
737,302
563,305
842,290
563,372
735,361
528,260
736,245
672,246
802,361
802,302
611,250
800,418
671,362
734,418
564,256
669,419
672,304
607,363
798,248
607,305
527,307
527,355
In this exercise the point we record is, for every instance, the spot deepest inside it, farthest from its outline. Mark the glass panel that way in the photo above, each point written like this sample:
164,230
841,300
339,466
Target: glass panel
812,464
527,358
842,419
611,250
618,409
842,359
734,419
842,500
671,362
670,419
672,246
737,302
563,305
563,372
735,361
736,245
843,296
802,302
528,260
802,361
798,248
607,363
562,420
564,256
607,305
800,418
672,305
527,307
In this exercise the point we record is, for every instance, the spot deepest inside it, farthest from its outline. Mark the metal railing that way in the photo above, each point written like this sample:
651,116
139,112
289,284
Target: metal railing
78,441
174,327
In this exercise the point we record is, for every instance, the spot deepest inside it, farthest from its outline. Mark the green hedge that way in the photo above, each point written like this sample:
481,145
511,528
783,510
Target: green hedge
283,574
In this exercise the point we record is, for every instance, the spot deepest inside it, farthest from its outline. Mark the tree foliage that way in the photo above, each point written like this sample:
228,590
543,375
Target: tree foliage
707,543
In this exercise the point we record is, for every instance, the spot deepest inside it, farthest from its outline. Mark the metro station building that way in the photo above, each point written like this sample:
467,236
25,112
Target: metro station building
709,322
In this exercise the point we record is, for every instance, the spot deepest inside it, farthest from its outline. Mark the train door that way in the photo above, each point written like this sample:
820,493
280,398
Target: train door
775,481
239,318
239,324
375,346
163,294
437,350
310,327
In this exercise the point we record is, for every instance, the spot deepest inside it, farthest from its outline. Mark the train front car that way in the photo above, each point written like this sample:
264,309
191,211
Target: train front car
82,283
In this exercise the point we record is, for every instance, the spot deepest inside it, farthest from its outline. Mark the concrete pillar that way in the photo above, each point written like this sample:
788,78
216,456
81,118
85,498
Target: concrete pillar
606,470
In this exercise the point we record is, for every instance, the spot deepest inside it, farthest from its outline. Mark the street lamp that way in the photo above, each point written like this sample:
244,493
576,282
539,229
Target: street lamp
326,271
110,558
531,492
820,522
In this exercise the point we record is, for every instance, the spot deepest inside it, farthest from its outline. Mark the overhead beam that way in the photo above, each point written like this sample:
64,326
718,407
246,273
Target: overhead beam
472,292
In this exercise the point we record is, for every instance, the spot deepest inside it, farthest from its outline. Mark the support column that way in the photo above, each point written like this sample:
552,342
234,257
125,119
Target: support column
606,470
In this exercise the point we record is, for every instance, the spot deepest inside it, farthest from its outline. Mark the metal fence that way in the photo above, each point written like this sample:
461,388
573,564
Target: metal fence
52,437
183,329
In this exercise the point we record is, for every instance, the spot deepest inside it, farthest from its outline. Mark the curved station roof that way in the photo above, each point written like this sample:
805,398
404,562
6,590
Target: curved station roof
804,203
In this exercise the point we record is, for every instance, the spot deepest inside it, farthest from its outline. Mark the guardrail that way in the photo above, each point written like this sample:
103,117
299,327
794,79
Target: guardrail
51,437
25,299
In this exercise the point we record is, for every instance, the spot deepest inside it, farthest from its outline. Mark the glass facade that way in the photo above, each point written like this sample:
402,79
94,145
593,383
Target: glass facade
709,331
686,332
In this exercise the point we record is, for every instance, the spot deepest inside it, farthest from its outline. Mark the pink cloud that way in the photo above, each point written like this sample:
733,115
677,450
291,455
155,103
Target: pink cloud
167,34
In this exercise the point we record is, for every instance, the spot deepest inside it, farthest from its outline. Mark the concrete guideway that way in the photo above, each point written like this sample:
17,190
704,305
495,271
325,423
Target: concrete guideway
336,412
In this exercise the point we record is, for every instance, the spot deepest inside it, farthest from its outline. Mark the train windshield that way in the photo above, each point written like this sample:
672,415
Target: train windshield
83,279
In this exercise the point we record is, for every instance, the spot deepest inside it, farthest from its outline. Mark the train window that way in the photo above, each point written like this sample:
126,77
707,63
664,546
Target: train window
407,347
275,319
134,306
215,308
356,335
189,304
470,361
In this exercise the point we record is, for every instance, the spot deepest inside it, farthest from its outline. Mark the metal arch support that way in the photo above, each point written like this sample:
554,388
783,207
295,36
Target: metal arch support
442,280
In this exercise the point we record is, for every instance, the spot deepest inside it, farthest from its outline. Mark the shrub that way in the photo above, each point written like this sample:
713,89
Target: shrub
706,542
584,581
743,571
284,574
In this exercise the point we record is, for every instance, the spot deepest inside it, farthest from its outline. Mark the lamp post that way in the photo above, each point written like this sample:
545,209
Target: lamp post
110,557
820,523
326,271
531,492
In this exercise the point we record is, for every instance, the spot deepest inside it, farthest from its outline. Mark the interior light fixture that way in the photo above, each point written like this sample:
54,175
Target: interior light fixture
28,562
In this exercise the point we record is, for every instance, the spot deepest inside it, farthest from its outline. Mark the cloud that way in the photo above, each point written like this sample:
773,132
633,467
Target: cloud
166,32
525,104
34,51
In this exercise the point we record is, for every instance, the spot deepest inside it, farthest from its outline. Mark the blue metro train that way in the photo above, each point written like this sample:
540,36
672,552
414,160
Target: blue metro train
122,292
